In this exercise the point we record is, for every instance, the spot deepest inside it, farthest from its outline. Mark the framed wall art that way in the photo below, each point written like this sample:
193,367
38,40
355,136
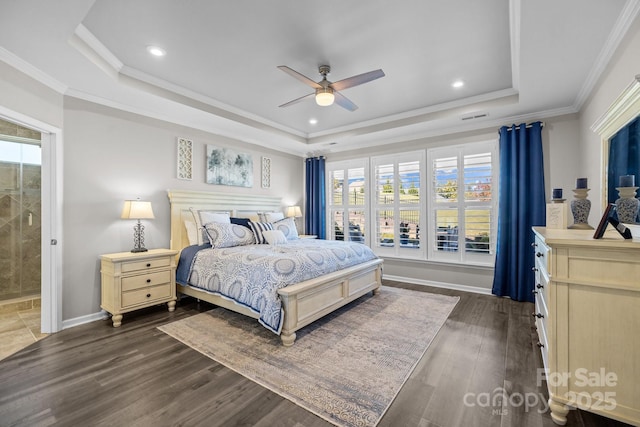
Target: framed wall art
185,159
229,167
266,172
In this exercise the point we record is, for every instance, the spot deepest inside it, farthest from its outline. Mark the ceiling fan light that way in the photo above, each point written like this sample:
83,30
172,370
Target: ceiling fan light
324,97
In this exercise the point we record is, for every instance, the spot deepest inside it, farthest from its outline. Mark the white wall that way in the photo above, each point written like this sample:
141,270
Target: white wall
620,72
111,156
25,95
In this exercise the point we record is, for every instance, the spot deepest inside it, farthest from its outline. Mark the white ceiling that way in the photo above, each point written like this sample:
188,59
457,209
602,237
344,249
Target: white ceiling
519,60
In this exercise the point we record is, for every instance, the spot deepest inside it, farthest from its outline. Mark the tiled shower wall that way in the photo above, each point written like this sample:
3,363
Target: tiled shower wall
20,239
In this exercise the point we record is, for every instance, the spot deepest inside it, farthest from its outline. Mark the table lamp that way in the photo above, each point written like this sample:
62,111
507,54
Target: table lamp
137,209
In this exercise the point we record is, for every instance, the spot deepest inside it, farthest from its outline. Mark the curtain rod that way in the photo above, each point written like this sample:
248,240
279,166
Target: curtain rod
518,126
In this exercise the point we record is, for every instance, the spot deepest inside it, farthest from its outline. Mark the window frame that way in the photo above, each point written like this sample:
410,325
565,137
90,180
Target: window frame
345,166
462,255
397,249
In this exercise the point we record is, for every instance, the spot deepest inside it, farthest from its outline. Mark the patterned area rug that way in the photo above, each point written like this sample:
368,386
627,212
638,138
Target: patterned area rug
346,368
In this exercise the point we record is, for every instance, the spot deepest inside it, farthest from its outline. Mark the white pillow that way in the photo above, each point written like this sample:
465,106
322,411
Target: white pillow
274,237
192,232
209,216
273,216
288,228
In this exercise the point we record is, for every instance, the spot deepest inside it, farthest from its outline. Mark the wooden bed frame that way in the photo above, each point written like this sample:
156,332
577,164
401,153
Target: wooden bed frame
303,302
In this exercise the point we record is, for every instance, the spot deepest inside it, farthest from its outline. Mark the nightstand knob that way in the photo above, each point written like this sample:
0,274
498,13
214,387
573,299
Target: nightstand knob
148,264
539,286
539,254
538,315
534,269
533,244
148,280
534,292
148,295
539,344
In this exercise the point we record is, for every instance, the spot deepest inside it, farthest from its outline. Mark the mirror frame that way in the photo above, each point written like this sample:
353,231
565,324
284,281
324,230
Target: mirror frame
623,110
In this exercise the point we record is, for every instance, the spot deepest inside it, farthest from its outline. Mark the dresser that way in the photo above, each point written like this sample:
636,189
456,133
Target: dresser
131,281
587,313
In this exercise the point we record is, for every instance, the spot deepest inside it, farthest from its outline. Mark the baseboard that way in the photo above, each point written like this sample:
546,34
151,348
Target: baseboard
77,321
454,286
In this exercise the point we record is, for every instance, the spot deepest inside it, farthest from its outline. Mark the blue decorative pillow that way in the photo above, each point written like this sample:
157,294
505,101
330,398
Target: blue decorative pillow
258,228
241,221
288,228
223,235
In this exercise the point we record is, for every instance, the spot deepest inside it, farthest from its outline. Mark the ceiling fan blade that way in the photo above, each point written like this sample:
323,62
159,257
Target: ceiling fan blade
304,79
344,102
357,80
295,101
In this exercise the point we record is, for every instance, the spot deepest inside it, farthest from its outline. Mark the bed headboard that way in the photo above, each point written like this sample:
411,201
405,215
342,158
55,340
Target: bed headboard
236,204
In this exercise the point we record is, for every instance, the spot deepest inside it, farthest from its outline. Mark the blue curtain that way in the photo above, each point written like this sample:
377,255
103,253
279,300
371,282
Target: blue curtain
624,157
521,205
315,210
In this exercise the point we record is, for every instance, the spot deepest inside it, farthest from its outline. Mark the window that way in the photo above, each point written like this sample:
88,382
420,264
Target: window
347,205
398,204
463,202
438,204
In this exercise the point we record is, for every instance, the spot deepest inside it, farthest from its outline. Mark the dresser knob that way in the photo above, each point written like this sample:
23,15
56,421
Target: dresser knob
149,281
539,344
539,254
148,295
148,264
539,286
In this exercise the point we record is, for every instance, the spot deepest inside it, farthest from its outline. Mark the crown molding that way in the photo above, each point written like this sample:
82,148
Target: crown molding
31,71
628,15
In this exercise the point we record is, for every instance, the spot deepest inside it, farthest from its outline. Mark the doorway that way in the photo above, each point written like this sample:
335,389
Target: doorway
20,236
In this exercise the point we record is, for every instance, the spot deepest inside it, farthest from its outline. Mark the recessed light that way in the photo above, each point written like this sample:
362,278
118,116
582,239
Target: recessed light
156,51
313,121
457,84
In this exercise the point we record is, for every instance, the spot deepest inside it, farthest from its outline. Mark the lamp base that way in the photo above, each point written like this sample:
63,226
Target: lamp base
139,250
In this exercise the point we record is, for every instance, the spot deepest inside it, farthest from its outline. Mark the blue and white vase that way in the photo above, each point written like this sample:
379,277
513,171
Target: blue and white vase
627,205
580,207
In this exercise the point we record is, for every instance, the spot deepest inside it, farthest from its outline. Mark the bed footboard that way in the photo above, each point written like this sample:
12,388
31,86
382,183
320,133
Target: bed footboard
308,301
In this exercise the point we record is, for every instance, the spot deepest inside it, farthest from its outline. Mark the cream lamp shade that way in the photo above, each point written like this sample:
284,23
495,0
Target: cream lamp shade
137,209
294,211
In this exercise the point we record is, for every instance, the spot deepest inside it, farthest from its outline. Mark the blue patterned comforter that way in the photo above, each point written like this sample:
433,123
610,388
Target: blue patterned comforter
251,275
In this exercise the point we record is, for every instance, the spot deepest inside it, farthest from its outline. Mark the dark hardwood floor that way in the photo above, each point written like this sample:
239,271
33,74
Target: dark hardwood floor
135,375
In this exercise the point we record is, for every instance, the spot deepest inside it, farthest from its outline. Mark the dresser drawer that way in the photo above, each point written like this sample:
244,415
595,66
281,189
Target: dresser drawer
543,343
146,295
541,286
543,255
128,267
145,280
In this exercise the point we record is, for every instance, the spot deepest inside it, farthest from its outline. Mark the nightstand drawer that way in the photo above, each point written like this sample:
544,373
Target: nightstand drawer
128,267
145,280
145,295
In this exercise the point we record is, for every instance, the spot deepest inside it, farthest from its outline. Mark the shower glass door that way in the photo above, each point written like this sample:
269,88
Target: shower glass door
20,237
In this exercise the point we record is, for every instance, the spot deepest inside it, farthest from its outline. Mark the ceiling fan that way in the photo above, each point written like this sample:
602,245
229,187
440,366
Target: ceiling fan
327,92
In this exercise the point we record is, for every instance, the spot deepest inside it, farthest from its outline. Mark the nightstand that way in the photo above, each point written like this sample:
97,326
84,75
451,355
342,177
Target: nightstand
131,281
307,236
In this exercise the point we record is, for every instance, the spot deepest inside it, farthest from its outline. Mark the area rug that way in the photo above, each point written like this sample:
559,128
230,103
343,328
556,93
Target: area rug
346,368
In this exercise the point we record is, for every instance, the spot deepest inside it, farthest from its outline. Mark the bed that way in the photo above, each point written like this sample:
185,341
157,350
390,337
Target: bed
301,302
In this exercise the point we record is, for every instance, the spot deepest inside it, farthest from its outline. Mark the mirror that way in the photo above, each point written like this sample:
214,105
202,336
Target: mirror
624,111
